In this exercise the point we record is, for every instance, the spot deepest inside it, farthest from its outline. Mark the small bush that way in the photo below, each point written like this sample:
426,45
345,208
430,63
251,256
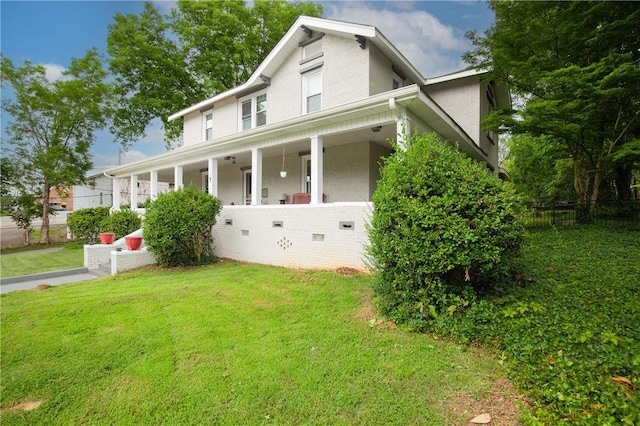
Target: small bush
84,224
442,230
122,222
177,227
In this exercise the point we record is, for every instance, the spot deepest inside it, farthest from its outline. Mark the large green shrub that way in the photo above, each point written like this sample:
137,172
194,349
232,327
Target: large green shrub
84,224
121,222
442,229
177,227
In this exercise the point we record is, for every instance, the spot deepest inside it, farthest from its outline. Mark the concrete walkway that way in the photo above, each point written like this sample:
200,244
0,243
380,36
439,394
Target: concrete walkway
27,282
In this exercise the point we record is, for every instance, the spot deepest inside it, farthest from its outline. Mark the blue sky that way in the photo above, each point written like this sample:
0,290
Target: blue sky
429,33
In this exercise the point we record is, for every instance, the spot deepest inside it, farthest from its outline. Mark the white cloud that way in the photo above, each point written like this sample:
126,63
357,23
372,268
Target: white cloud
53,72
165,6
432,47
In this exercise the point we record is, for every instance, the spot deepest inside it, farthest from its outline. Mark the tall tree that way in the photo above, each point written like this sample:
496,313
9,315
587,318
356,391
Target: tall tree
163,63
577,64
54,124
540,168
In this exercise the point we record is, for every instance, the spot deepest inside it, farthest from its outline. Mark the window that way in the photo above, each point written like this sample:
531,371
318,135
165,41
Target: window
397,81
253,112
208,126
313,91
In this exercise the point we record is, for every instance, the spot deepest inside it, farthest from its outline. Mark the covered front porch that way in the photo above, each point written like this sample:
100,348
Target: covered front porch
315,214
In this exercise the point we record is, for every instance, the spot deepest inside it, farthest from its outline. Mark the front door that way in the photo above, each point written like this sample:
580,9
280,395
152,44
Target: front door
246,186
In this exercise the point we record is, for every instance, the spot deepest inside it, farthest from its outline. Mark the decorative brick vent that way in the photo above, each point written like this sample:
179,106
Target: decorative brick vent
285,243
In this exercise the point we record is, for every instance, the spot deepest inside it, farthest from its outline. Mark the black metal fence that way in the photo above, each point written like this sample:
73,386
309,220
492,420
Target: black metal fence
571,213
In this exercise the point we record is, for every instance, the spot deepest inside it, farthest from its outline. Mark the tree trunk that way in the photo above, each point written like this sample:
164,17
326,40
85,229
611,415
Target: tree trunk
44,229
597,179
580,183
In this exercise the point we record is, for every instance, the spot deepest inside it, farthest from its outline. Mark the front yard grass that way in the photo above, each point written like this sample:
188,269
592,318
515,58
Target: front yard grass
68,256
232,344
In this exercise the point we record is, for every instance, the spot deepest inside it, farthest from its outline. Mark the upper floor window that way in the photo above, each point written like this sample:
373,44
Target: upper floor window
397,80
312,85
253,112
207,124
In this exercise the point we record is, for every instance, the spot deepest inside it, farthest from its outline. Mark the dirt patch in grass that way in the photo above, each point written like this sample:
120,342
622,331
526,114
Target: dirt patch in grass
345,270
41,287
367,311
500,402
25,406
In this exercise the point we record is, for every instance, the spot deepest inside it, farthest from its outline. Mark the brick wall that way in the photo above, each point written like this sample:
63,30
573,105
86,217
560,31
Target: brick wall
305,236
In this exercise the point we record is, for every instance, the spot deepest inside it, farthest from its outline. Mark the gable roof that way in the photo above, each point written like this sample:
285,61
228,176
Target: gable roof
298,33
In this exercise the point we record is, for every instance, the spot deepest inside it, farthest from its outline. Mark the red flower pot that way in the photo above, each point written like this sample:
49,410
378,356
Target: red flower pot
107,237
133,243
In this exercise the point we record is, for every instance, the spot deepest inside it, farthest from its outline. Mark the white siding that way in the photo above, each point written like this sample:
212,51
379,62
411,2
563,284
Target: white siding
345,74
284,96
380,72
461,100
193,128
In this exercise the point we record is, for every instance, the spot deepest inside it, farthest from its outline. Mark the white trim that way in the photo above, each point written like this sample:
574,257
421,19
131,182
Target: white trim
455,75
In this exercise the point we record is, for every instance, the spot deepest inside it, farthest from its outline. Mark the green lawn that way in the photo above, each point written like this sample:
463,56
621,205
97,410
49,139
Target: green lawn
33,262
232,344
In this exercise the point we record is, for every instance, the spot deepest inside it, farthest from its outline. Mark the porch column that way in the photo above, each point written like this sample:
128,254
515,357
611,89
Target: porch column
316,170
133,198
154,184
256,177
212,179
403,127
116,193
177,177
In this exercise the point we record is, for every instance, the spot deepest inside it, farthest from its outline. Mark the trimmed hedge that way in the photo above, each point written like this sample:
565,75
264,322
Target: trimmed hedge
121,222
84,224
177,227
442,229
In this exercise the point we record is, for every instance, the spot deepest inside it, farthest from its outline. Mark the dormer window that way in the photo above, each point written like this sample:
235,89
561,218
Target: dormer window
253,111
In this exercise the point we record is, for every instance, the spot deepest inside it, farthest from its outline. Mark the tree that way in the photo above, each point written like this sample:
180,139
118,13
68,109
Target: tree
54,124
25,208
165,63
577,64
8,177
540,169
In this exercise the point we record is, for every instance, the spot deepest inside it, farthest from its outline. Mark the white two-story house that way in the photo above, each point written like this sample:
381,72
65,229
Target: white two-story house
294,152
